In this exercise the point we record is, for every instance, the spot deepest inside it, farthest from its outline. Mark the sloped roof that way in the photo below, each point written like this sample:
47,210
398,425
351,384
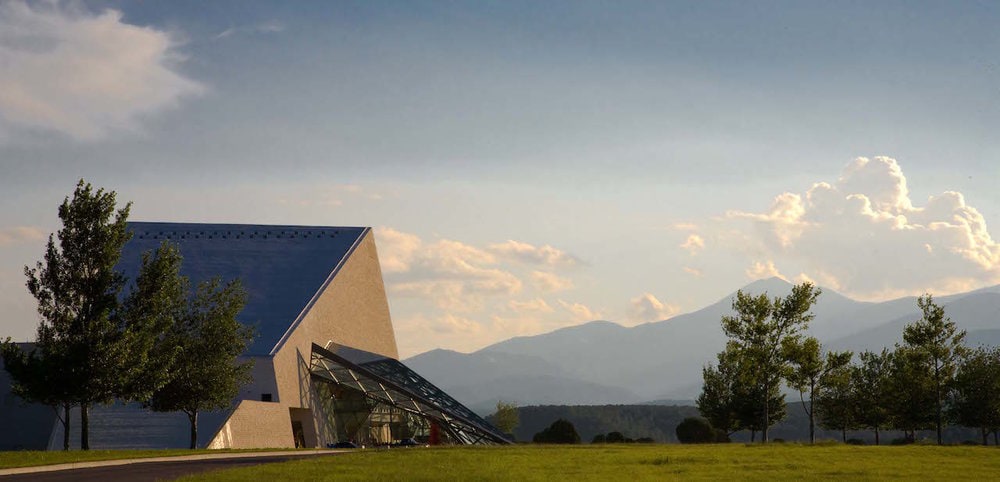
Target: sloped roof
282,267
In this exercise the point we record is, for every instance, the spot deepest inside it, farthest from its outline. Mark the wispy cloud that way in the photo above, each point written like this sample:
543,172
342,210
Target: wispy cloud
272,26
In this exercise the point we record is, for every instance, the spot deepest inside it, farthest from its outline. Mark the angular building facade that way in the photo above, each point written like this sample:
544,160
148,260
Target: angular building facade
326,366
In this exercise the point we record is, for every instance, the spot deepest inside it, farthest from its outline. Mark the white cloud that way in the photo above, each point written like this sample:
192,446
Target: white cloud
536,305
19,234
550,282
693,244
580,311
763,270
82,74
865,236
539,255
645,308
693,271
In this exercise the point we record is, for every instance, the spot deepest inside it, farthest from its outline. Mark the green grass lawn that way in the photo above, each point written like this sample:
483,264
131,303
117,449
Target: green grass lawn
32,458
632,462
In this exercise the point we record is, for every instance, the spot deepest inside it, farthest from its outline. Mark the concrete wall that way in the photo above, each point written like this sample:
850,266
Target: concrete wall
352,310
255,424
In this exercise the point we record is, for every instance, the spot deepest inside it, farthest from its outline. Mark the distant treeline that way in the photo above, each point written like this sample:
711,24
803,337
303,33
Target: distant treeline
659,422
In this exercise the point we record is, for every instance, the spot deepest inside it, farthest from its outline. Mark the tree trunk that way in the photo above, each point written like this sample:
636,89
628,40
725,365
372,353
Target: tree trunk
843,434
84,426
65,421
876,434
937,376
767,413
996,438
193,417
753,436
986,440
812,410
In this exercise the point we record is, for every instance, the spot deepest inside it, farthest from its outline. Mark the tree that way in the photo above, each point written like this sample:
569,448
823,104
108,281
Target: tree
910,391
834,400
208,340
808,371
40,377
695,430
615,438
976,401
560,432
870,382
757,332
942,343
157,301
77,289
506,417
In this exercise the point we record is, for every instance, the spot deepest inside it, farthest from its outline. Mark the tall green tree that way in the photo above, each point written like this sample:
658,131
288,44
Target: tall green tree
208,340
870,382
506,417
757,331
910,391
835,402
976,400
77,289
943,344
156,301
808,372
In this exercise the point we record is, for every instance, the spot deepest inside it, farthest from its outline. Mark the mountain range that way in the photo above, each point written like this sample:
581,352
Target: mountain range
601,362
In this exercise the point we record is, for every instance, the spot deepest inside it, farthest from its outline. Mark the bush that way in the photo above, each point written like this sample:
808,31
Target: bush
695,430
599,439
645,440
560,432
616,438
901,441
721,436
856,441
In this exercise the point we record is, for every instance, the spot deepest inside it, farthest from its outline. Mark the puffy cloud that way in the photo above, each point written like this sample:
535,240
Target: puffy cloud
540,255
645,308
580,311
536,305
864,235
693,244
763,270
19,234
550,282
396,249
83,74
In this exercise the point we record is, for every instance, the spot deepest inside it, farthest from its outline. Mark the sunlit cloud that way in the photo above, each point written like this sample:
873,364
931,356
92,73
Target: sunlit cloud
82,74
646,307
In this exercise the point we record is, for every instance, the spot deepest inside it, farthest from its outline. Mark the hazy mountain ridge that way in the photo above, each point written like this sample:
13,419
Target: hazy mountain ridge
598,361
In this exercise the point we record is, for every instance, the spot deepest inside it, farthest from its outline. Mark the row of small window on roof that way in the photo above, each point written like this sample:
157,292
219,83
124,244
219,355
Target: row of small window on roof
237,235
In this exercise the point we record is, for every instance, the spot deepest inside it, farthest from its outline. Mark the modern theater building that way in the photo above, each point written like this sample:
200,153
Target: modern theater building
326,366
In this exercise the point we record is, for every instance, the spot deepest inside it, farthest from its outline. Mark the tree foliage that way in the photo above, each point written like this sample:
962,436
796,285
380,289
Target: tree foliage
560,432
940,343
810,371
506,418
870,389
696,430
77,289
207,340
835,401
976,399
758,331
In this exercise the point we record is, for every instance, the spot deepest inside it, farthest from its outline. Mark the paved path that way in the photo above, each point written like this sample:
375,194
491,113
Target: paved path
151,469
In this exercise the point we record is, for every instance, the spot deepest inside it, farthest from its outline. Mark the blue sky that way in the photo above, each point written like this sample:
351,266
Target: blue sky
527,165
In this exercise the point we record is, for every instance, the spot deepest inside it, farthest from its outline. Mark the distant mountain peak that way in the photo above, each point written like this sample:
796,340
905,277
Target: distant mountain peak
772,284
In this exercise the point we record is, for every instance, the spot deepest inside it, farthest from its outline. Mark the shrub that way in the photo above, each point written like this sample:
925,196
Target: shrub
560,432
695,430
645,440
856,441
721,436
599,439
616,438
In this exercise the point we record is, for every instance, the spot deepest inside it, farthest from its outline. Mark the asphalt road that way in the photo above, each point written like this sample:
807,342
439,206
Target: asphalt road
149,471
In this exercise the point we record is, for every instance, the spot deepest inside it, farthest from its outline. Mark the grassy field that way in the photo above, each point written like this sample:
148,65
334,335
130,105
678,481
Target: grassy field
645,462
32,458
